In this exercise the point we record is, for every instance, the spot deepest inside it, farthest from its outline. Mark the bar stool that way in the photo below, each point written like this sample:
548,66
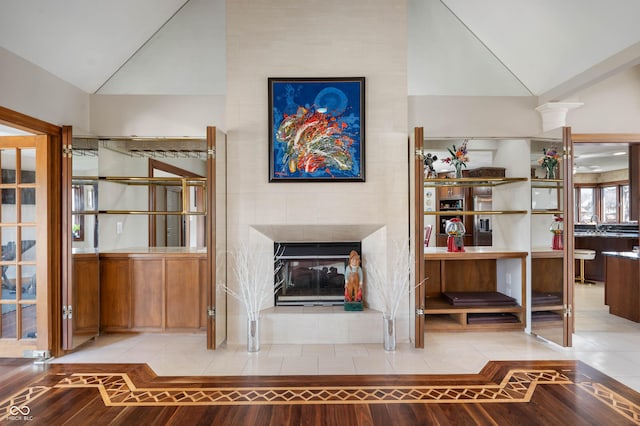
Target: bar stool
582,255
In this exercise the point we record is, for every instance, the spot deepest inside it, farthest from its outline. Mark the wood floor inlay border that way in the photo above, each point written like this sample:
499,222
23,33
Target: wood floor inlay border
619,403
118,390
546,392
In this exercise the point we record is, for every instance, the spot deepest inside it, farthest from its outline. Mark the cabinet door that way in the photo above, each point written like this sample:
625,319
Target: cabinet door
86,288
115,294
451,192
147,293
183,293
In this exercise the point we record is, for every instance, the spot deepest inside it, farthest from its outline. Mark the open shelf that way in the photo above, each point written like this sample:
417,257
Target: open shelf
480,181
472,212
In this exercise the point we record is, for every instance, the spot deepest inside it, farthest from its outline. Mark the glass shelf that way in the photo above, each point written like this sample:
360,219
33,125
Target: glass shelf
546,183
137,180
480,181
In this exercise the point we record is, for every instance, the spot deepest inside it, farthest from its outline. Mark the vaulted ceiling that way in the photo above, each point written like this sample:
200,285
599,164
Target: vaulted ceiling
544,48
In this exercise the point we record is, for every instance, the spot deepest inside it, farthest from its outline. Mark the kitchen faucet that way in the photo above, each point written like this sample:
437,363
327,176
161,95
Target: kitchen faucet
595,219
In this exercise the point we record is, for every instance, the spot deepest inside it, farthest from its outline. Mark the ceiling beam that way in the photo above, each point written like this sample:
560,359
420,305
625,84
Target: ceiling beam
621,61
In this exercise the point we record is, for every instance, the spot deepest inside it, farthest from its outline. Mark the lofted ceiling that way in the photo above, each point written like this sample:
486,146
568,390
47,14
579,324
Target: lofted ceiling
544,48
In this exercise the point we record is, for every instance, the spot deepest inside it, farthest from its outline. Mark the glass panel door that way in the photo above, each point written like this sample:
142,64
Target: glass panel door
22,301
549,298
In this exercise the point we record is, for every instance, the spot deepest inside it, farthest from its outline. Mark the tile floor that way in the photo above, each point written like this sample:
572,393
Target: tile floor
606,342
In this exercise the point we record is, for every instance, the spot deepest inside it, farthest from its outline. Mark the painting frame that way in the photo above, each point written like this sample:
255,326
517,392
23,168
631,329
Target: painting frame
316,129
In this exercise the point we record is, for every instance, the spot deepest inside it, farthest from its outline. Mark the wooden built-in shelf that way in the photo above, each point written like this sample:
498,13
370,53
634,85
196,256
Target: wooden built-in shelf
474,270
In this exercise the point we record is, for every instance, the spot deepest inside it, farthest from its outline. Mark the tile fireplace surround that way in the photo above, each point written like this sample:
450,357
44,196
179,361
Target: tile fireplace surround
321,324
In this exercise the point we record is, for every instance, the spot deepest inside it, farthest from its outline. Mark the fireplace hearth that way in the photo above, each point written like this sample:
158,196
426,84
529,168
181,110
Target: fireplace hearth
312,273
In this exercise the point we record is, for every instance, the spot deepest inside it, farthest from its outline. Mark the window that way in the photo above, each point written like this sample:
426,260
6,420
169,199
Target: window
609,197
625,203
585,204
610,203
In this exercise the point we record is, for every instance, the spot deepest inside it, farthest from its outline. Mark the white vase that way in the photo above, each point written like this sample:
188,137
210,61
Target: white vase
389,333
253,335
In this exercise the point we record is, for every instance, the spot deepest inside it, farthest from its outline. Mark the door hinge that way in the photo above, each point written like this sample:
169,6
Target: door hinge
211,312
67,312
67,150
419,312
211,152
420,154
567,311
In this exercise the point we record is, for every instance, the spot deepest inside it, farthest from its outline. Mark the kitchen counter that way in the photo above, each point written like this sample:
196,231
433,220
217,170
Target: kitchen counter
621,287
618,242
626,254
606,234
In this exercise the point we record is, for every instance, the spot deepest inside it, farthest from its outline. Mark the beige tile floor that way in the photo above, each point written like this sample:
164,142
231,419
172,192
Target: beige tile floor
606,342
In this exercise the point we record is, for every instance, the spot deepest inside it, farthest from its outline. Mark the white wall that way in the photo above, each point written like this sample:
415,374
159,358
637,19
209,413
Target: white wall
281,38
155,115
611,106
475,116
30,90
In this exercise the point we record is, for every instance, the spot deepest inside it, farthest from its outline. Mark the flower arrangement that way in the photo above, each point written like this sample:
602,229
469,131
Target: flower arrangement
458,158
549,161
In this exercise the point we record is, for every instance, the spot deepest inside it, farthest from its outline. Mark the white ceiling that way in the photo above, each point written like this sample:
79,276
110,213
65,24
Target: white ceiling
544,48
456,47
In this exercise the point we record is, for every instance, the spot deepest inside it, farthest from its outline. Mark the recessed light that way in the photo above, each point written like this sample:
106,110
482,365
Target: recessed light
620,153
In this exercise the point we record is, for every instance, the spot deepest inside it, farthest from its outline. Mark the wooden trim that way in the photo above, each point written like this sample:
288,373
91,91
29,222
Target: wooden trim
605,137
67,238
27,123
420,292
52,203
634,182
210,280
569,264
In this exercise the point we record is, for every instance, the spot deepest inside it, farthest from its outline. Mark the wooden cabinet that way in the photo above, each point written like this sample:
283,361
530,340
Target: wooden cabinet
155,292
86,295
147,293
478,270
183,300
115,293
622,286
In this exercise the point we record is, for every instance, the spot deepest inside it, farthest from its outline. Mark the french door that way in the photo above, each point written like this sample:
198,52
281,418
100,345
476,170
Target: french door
24,234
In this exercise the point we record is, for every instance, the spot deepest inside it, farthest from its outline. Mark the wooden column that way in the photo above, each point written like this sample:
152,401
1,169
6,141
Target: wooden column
634,180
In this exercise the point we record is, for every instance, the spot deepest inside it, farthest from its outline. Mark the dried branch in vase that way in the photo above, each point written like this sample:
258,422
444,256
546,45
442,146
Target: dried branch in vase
256,284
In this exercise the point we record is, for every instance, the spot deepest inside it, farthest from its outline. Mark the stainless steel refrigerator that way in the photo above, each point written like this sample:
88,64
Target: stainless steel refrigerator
482,223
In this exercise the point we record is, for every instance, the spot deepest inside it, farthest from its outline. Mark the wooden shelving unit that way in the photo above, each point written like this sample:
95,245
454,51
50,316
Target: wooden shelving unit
474,270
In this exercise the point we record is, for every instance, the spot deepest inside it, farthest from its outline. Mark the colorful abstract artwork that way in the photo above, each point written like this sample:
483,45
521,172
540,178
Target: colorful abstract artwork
316,129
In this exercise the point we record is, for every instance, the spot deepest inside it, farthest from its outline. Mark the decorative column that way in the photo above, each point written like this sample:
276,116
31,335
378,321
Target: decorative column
554,114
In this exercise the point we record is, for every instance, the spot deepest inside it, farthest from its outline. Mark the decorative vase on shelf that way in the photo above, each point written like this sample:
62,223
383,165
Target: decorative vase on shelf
389,333
551,171
253,335
458,167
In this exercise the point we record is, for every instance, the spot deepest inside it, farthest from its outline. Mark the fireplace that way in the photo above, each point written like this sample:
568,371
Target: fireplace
312,274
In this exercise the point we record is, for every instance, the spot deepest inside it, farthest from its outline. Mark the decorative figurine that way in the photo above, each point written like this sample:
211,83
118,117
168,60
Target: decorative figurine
353,283
429,170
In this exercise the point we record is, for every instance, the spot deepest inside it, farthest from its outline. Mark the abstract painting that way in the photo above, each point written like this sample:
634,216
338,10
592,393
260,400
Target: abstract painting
316,129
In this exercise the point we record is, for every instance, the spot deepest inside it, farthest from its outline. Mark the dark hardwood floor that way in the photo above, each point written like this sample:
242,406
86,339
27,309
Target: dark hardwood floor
503,393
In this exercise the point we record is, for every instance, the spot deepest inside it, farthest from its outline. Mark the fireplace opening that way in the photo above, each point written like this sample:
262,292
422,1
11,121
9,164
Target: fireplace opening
312,274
